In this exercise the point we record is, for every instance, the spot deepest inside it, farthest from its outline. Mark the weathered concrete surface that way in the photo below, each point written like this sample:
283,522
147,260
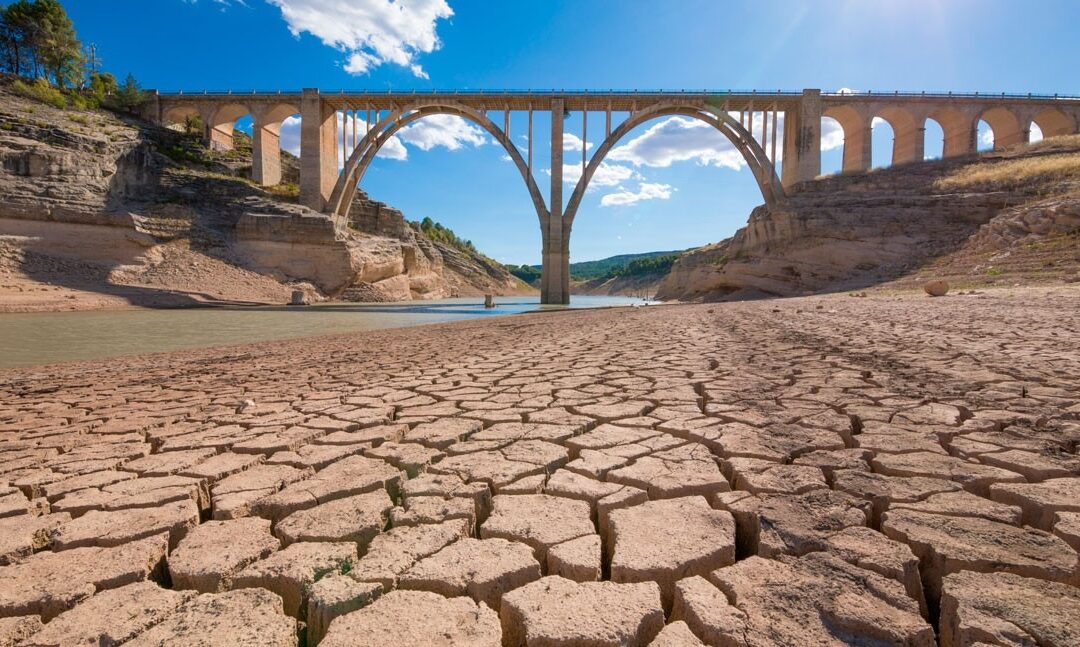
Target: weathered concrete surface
711,462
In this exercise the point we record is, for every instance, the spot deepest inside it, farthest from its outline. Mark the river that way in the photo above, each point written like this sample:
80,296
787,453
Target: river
49,337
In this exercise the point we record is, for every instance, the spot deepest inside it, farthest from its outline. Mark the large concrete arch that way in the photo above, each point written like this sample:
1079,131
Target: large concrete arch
220,122
1007,127
958,129
855,122
179,115
357,164
755,156
1054,123
908,133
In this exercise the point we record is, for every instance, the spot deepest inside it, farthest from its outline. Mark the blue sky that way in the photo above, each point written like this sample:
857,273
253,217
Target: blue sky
672,185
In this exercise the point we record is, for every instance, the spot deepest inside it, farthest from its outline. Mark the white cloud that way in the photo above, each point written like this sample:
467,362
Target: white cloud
371,32
986,137
571,142
449,131
678,139
832,134
646,191
877,121
605,174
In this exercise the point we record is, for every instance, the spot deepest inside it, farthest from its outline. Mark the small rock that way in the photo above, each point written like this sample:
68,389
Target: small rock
936,288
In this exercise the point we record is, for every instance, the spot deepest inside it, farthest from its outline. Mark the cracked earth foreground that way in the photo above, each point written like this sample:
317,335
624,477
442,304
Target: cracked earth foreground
819,471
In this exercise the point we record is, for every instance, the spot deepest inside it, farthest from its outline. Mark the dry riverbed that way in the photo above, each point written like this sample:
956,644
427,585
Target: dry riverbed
827,470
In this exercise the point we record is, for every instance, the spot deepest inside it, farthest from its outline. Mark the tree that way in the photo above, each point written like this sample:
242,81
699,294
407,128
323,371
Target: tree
129,97
61,51
103,86
39,41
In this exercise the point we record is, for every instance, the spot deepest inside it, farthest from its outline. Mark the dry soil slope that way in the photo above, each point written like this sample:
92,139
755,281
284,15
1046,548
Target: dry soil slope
1003,217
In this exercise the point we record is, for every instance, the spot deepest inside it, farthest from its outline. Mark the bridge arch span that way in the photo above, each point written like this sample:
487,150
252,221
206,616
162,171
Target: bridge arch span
1053,123
1005,124
855,122
958,130
908,133
755,156
357,164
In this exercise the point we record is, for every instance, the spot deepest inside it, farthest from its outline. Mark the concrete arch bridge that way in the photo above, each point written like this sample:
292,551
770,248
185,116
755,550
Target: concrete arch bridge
778,135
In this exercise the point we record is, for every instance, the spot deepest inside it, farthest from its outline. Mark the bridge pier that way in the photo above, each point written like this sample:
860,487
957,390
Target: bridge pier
266,153
318,150
555,267
802,140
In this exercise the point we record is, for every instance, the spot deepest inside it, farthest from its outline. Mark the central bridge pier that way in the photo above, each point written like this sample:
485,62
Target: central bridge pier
778,135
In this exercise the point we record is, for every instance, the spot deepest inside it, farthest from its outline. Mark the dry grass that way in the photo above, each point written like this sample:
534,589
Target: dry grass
1063,167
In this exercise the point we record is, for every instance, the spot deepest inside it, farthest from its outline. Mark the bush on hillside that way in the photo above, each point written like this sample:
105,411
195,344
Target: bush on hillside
40,90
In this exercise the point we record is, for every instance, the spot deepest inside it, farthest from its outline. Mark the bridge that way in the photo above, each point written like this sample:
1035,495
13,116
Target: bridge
785,152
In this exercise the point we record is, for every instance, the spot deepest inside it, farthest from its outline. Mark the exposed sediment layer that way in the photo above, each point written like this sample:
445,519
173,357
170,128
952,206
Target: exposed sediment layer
818,471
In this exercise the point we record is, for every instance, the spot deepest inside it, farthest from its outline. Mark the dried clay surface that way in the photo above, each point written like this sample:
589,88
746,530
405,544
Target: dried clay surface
889,470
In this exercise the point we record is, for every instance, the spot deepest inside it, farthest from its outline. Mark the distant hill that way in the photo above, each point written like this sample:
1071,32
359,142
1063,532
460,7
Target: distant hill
588,270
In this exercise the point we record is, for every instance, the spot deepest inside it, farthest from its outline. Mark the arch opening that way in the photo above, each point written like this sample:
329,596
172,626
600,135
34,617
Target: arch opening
221,123
883,136
984,137
832,146
752,153
933,139
380,134
857,136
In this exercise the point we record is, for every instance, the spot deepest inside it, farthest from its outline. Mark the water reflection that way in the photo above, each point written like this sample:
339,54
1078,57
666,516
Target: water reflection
42,338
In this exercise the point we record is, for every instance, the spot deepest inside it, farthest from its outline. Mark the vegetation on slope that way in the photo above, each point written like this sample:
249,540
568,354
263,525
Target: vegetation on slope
38,43
435,232
1049,168
607,268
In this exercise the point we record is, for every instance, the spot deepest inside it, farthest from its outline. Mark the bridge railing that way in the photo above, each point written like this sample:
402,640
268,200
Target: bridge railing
638,92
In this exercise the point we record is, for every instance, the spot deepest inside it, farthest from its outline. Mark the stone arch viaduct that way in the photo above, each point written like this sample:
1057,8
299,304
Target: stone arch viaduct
778,135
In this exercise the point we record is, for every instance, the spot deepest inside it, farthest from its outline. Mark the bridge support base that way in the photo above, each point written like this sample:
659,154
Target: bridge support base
265,155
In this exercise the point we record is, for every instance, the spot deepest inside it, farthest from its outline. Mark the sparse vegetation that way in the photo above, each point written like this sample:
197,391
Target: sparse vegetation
1007,174
436,232
40,90
527,273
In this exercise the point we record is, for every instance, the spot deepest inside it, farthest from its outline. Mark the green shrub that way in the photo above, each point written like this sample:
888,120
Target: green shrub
40,90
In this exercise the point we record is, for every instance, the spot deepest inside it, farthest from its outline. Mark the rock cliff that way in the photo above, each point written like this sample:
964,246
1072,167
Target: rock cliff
900,225
103,211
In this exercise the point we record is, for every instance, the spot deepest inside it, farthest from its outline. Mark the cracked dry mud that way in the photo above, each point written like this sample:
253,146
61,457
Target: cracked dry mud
816,471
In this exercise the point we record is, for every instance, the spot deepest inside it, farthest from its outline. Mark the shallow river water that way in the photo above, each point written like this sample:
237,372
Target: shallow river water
48,337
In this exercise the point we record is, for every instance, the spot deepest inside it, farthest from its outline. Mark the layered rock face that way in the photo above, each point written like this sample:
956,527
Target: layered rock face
846,232
127,211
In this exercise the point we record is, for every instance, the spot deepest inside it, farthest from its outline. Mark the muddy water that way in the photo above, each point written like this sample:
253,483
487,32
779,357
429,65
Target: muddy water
45,338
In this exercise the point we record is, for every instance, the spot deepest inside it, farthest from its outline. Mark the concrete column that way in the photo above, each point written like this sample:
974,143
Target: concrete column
908,146
318,150
555,271
266,154
857,146
802,140
221,136
959,139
